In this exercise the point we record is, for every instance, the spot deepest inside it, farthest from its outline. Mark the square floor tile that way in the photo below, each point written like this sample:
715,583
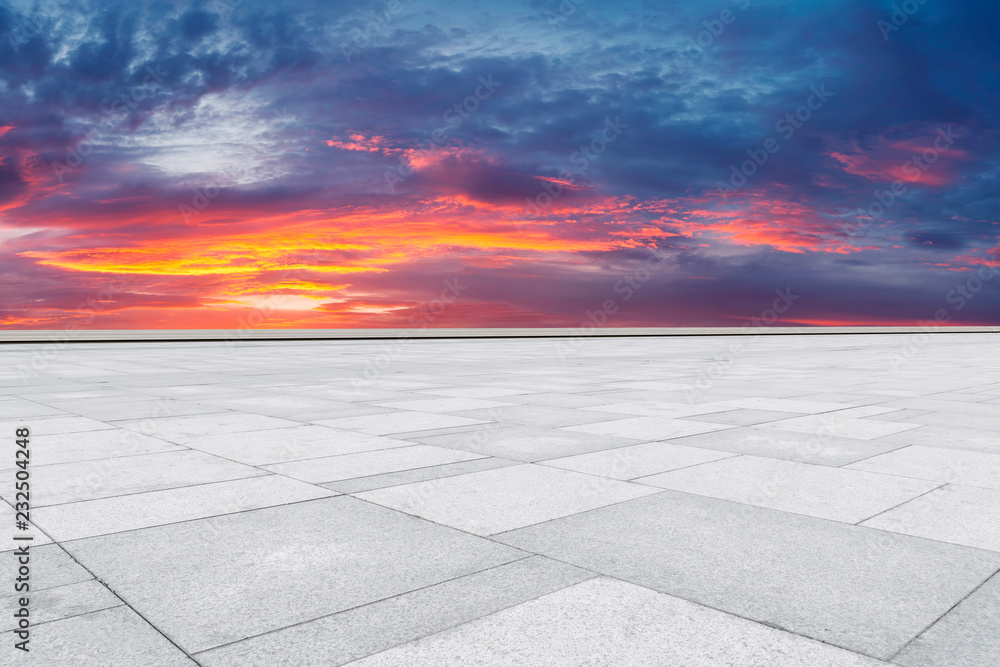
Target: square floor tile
785,405
788,445
525,443
648,428
493,501
279,445
400,422
73,521
543,416
363,464
843,427
444,404
53,604
943,465
258,571
89,480
741,417
958,514
865,590
664,409
179,429
837,494
355,633
44,426
638,460
604,622
116,637
91,445
966,636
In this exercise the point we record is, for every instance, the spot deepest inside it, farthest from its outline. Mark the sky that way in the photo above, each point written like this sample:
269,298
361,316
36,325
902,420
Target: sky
318,164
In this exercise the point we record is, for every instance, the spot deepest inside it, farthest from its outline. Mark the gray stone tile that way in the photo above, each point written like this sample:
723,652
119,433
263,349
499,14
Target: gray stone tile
44,426
116,637
371,482
181,429
838,494
53,604
443,405
648,428
280,445
258,571
958,514
663,409
742,417
90,445
89,480
952,437
365,464
785,405
844,427
401,422
51,567
943,465
525,443
604,622
803,447
493,501
545,416
966,636
19,408
73,521
349,635
117,410
627,463
861,589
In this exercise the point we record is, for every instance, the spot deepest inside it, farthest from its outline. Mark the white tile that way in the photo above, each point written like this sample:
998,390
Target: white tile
290,444
665,409
493,501
402,422
179,429
142,510
89,480
609,622
444,404
820,491
944,465
958,514
843,427
638,460
363,464
784,405
648,428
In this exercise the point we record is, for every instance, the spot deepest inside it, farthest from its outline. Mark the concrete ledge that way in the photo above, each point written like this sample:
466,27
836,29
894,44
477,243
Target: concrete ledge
169,335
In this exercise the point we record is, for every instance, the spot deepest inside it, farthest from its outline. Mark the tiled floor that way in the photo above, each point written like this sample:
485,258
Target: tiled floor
812,500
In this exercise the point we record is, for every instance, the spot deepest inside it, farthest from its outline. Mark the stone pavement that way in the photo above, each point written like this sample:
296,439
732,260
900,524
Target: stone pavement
824,500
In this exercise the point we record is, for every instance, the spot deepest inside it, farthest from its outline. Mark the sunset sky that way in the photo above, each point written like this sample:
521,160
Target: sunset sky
310,164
